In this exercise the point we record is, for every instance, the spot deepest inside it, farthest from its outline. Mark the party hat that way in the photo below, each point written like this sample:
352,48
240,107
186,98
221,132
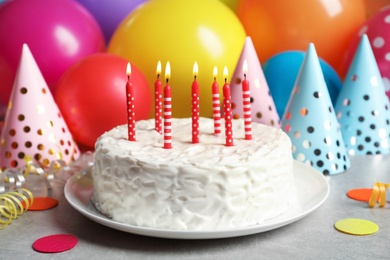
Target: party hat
362,107
310,121
263,109
33,123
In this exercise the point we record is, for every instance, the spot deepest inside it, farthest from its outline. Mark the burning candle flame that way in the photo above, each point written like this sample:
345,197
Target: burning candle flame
245,67
167,71
215,71
195,69
128,69
225,72
158,70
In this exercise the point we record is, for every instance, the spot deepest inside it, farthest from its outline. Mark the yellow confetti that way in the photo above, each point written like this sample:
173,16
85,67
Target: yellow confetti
355,226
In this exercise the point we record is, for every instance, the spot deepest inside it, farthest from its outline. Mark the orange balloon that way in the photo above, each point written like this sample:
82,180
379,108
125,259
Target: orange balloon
279,25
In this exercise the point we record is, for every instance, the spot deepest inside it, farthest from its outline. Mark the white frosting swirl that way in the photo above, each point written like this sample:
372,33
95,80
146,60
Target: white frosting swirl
204,186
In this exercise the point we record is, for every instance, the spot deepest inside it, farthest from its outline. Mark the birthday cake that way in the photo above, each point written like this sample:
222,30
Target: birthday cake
203,186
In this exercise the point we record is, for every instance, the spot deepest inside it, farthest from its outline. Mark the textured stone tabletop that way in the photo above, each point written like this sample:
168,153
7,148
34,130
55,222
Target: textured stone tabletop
313,237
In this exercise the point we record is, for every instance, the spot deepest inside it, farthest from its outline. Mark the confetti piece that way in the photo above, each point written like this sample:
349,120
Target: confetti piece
55,243
355,226
42,203
363,194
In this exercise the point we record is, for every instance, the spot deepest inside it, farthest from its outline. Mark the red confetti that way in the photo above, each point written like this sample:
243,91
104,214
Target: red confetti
55,243
362,194
42,203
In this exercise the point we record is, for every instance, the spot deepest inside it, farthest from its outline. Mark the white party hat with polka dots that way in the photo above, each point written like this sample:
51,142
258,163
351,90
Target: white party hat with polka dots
362,107
262,105
310,121
33,125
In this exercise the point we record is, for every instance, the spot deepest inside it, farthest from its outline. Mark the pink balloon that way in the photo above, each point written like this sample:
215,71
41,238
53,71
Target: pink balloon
58,34
377,29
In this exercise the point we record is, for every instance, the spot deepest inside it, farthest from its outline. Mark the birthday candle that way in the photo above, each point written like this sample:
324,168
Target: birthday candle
195,106
216,104
130,105
158,100
167,109
227,110
246,99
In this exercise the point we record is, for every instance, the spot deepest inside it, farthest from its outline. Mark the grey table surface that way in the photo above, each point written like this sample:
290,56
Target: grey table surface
312,237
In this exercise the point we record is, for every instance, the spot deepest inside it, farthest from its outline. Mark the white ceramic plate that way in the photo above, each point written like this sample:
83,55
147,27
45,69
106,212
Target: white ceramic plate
312,191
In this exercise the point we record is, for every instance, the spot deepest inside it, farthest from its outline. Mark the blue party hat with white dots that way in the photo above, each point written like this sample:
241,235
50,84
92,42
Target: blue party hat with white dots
310,121
362,106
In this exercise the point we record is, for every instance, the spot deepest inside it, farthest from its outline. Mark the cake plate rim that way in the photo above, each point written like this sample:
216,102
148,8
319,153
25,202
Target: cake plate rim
312,191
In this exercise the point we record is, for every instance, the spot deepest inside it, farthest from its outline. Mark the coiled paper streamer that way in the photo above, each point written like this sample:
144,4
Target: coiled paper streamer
11,205
15,199
12,178
379,190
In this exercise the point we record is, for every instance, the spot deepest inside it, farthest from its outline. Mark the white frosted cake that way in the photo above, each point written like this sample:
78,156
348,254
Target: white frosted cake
204,186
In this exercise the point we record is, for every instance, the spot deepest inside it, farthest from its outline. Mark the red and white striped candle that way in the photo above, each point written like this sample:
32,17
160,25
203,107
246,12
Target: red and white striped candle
216,104
158,100
167,109
130,105
195,106
227,105
246,100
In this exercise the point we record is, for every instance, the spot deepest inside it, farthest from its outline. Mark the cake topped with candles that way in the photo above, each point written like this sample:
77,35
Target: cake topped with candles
202,186
193,173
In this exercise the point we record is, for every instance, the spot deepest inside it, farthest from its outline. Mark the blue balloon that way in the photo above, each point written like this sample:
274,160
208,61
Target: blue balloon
109,13
281,71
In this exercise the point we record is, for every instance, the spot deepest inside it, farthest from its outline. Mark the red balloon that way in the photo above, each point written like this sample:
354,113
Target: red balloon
92,96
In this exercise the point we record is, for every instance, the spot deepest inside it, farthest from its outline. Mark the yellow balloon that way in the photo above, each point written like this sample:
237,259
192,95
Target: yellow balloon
182,32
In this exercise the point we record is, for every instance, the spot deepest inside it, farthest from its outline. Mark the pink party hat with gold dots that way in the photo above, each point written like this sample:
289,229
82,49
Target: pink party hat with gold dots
263,109
33,123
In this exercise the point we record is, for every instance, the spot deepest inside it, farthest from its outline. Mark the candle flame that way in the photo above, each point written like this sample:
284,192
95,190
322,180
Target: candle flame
128,69
225,72
195,69
245,67
167,71
158,70
215,71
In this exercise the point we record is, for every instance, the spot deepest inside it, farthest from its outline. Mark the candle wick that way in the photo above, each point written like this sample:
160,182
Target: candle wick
194,77
244,75
167,81
215,78
225,80
128,77
158,76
